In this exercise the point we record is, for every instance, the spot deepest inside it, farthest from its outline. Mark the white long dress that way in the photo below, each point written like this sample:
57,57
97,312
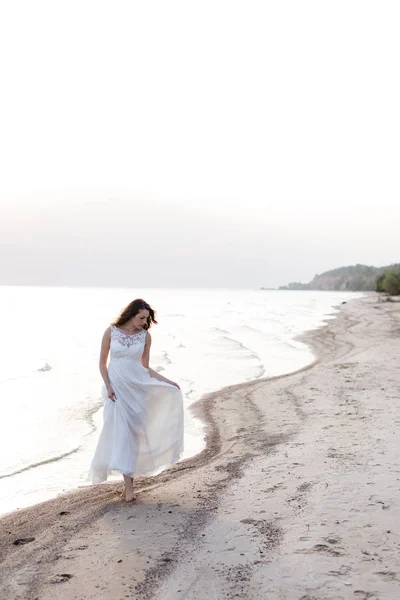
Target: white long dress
143,429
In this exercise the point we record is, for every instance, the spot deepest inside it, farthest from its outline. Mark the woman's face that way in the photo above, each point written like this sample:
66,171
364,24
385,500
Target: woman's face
140,320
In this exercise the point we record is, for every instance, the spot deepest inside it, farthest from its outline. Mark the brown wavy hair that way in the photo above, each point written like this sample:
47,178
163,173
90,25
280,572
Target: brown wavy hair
132,310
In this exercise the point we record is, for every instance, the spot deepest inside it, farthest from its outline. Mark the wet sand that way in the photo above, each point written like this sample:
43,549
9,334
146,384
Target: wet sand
296,496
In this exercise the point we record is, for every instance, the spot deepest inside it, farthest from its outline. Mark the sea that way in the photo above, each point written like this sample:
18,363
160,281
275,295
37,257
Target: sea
50,385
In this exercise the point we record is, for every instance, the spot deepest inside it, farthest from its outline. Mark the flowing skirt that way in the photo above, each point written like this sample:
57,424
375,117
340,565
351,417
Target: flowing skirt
143,429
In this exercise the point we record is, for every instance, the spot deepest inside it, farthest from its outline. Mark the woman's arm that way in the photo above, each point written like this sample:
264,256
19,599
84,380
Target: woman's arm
146,360
105,349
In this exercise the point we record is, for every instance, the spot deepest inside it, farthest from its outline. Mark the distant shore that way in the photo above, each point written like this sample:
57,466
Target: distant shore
295,495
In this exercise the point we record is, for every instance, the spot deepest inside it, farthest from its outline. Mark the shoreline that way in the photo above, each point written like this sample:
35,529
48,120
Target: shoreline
195,410
241,431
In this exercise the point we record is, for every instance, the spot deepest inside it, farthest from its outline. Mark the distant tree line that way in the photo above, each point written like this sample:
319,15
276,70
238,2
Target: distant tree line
355,278
389,282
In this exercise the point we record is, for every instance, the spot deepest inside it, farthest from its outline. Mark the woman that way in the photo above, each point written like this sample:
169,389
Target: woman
143,411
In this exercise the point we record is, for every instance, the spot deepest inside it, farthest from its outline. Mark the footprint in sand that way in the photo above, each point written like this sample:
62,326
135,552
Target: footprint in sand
22,541
61,578
388,575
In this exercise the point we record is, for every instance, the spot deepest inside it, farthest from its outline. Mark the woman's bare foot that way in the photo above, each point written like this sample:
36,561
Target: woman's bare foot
123,493
129,494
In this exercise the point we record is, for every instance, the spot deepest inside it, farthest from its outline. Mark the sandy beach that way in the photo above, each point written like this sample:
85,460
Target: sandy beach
296,496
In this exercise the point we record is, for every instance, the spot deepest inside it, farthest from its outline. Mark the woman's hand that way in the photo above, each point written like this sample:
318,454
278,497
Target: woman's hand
111,393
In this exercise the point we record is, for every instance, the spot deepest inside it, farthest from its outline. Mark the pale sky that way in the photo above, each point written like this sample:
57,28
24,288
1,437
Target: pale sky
194,144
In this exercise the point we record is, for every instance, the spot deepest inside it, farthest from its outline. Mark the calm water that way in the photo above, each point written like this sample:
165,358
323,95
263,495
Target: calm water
50,384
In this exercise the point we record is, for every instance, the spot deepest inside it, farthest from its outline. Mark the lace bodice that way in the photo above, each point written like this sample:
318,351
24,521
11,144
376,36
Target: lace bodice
127,339
127,345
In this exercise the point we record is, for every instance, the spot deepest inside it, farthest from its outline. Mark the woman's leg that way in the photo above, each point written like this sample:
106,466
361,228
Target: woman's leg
129,492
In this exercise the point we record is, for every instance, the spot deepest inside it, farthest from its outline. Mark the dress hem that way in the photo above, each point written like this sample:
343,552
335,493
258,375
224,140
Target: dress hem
97,476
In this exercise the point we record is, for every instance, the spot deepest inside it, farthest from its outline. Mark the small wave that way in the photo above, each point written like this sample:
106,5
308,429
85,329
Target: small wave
167,358
292,344
89,414
190,385
46,367
39,464
161,360
253,329
250,353
218,330
261,372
